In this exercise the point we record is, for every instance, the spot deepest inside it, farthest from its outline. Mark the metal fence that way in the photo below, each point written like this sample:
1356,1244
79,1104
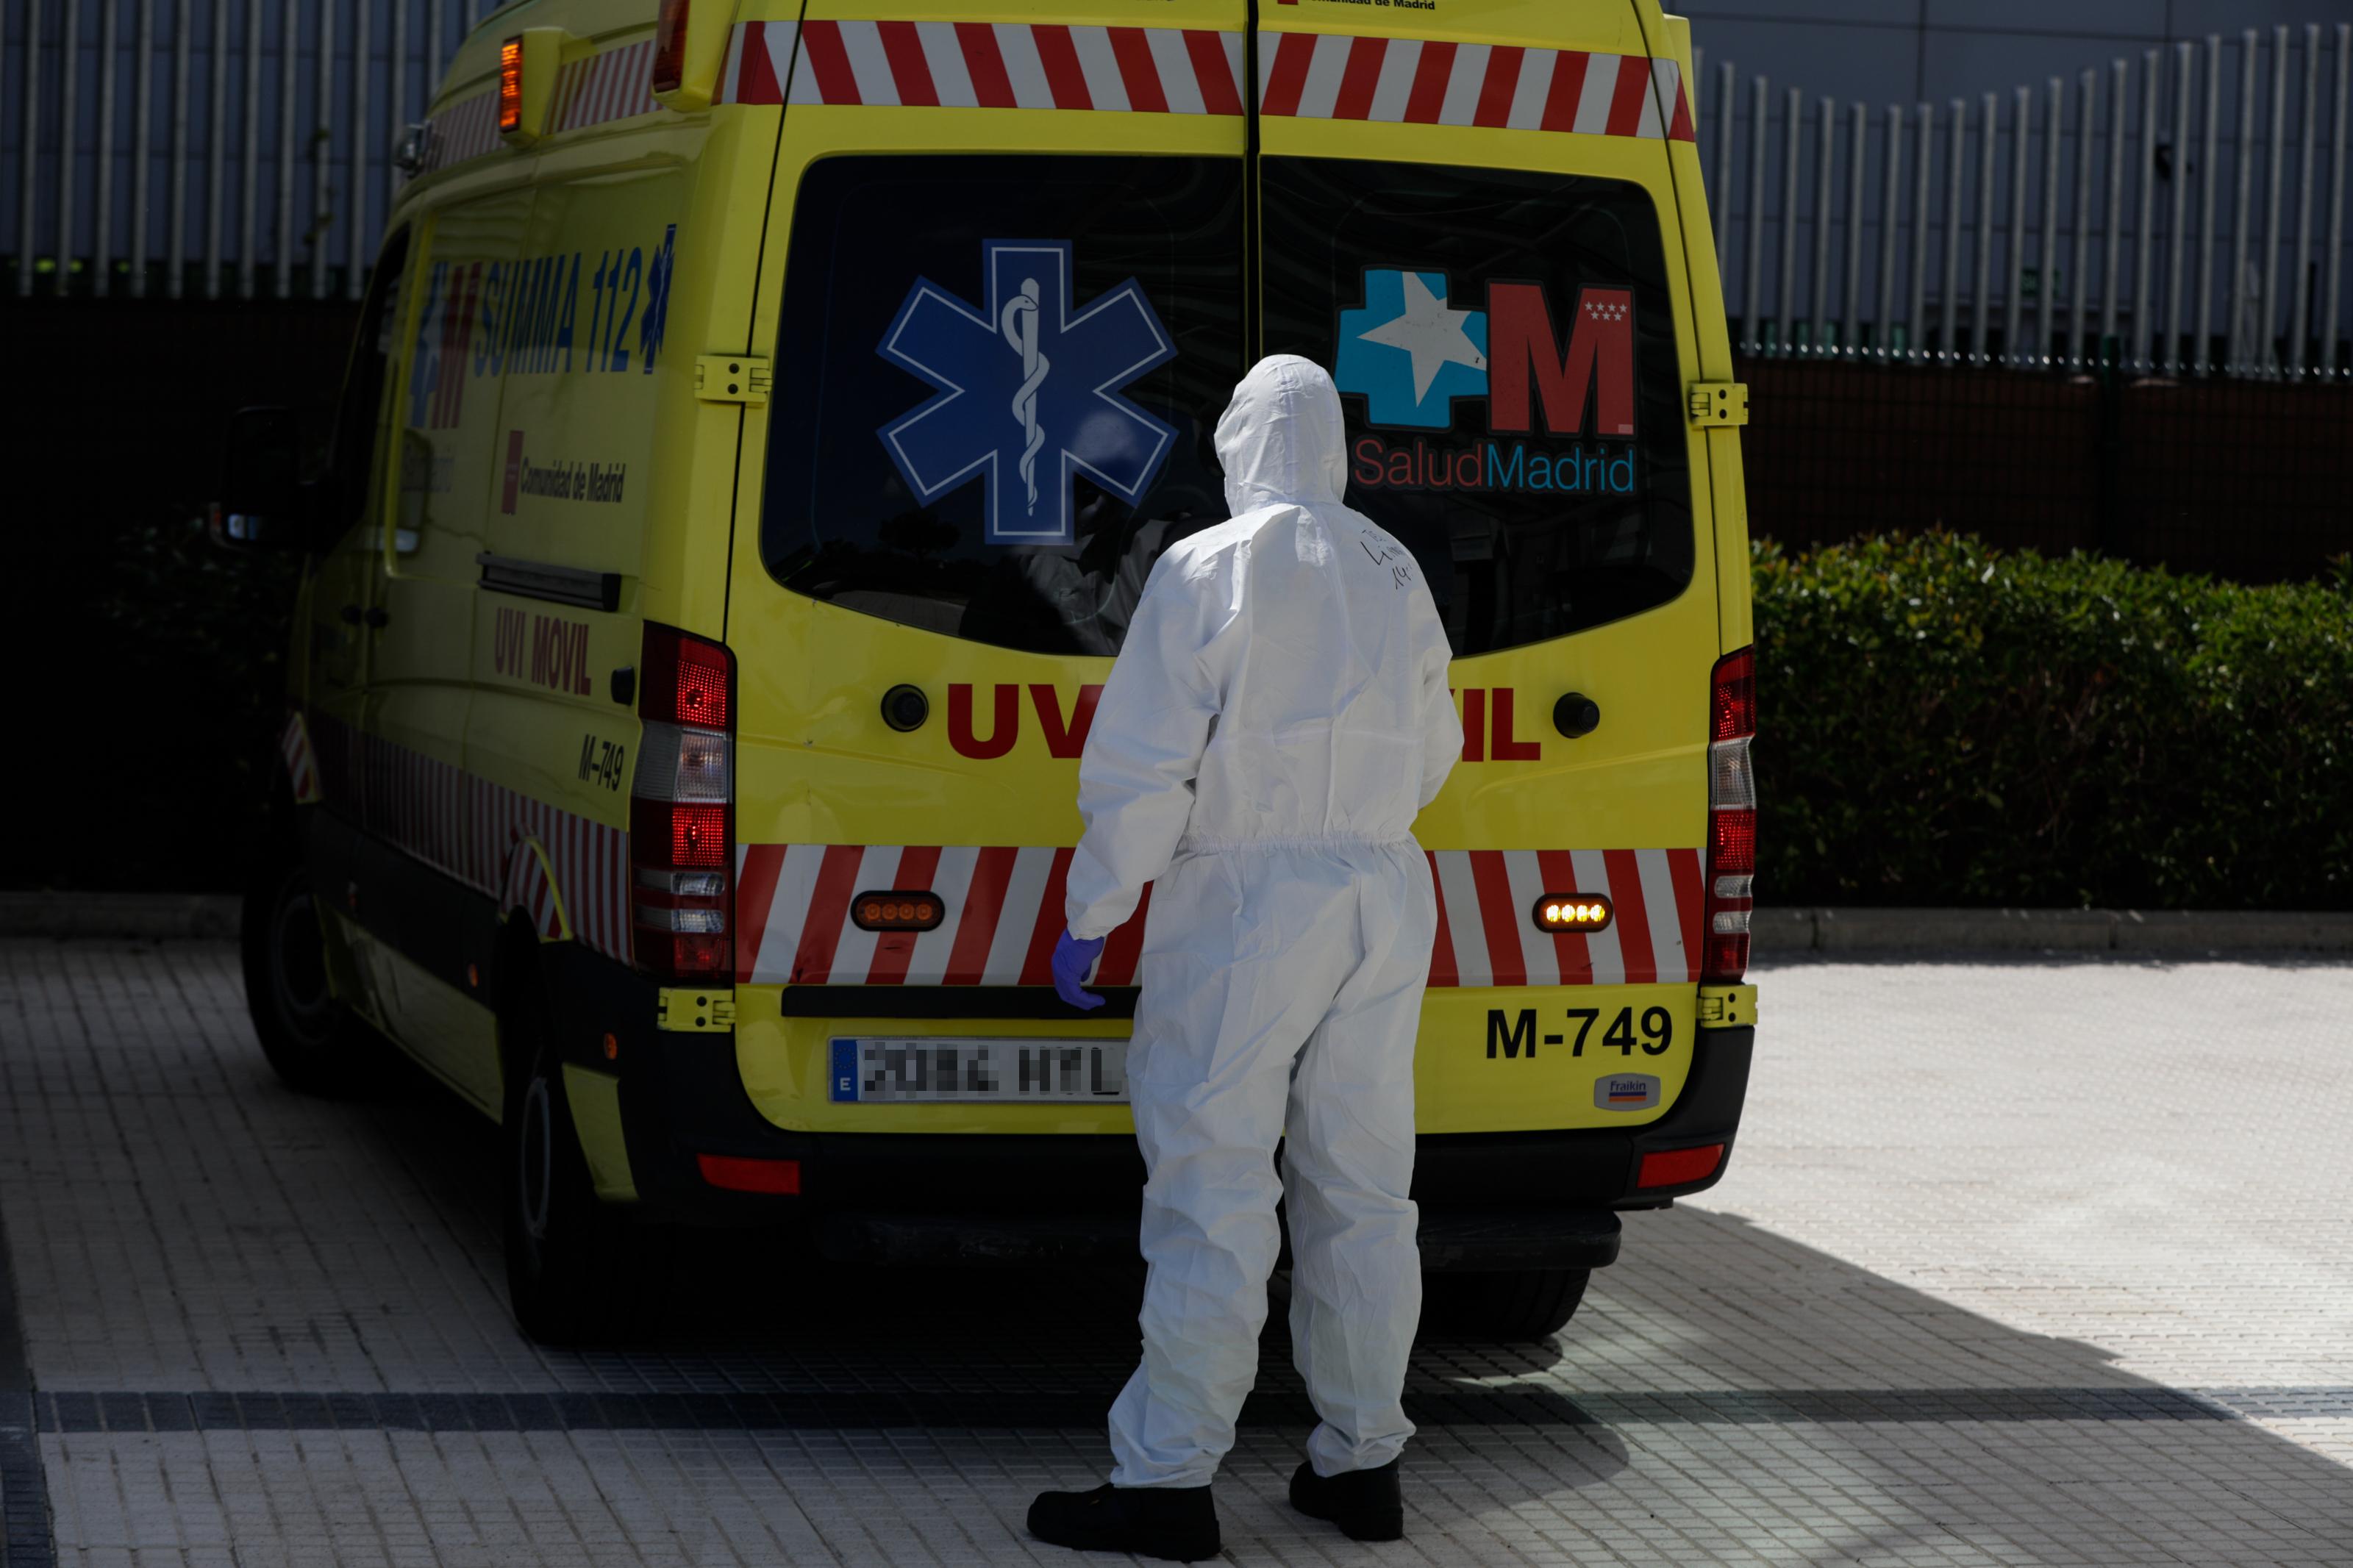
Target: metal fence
2184,213
209,149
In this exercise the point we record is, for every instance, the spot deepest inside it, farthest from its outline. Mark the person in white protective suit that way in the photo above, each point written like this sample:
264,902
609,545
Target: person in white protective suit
1276,718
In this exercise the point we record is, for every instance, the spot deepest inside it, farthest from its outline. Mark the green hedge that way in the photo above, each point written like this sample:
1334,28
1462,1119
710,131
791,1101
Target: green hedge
1945,723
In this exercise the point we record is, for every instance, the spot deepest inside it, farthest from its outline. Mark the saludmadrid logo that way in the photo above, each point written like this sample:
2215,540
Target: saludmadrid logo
1411,352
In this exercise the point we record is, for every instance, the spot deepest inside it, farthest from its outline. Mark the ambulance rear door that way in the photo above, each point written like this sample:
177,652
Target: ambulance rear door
1468,215
1006,288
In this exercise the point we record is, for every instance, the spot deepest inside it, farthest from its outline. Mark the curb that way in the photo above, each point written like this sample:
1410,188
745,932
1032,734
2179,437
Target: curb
144,915
2179,932
156,916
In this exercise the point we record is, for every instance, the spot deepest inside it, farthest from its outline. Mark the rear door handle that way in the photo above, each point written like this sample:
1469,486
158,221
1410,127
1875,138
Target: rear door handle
376,615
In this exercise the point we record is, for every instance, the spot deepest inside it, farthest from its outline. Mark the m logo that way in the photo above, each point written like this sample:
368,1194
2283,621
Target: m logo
1409,351
1030,393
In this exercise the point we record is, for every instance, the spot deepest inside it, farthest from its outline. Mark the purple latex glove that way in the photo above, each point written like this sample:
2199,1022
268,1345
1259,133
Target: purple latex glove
1072,959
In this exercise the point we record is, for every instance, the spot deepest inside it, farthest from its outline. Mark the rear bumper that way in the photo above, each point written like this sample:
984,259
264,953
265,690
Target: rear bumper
1489,1201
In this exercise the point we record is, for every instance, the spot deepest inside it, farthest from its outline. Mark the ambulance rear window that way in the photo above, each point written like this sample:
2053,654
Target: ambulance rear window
997,377
1504,343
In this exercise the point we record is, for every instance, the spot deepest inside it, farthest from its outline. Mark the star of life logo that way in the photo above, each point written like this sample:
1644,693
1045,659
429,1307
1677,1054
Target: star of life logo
1410,352
1029,391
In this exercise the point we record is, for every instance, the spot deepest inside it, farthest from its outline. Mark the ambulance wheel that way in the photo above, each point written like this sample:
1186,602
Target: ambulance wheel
314,1043
1508,1308
579,1271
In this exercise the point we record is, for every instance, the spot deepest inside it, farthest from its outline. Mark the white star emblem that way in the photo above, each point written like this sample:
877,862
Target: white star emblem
1430,333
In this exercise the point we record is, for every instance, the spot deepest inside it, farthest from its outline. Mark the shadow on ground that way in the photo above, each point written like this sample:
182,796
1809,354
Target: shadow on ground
1713,1336
1720,1369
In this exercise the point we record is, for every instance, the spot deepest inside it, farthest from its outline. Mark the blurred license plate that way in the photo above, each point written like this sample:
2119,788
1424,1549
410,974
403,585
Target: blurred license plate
872,1068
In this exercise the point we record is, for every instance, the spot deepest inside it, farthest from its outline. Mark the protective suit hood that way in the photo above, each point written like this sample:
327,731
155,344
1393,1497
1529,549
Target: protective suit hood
1280,439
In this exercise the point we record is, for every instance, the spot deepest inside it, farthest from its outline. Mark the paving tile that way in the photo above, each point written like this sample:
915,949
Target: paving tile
2022,1263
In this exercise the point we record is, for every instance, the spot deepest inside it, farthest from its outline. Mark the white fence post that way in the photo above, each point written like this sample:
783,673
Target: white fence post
2336,198
2013,297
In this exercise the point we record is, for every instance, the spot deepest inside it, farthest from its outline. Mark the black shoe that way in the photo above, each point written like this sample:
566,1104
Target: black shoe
1367,1505
1180,1523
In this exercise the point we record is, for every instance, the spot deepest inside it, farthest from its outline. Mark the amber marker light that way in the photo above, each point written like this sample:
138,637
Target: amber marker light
511,84
896,911
670,45
1572,911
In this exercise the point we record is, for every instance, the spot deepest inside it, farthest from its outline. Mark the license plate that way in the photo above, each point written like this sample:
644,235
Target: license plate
871,1069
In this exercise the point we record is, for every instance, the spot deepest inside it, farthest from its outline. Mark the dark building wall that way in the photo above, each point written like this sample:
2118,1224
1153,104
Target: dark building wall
2245,480
134,398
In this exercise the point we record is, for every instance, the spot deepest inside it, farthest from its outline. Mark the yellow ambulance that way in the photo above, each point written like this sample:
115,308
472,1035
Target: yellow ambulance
762,420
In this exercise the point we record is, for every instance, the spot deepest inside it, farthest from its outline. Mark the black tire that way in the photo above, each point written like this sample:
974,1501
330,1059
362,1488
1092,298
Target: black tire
579,1271
314,1043
1507,1309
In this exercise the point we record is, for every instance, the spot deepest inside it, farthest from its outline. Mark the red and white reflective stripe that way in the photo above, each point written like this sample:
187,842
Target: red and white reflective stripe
575,884
529,888
1005,910
759,63
462,130
588,901
987,64
302,764
1488,934
1157,71
612,84
1333,76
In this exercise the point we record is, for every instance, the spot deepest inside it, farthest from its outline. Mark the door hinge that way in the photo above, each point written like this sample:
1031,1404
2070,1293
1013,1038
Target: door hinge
1719,402
731,378
1726,1007
688,1009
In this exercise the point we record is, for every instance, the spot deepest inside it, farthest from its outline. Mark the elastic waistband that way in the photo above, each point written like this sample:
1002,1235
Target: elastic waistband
1190,845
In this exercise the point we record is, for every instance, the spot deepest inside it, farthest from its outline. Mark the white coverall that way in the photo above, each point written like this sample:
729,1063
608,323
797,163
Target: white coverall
1277,716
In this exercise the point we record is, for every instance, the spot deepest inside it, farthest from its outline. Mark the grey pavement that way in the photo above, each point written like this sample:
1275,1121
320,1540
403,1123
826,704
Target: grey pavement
2018,1262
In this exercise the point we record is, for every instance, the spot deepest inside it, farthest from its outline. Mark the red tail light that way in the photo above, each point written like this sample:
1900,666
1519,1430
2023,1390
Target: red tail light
1732,841
670,45
687,681
676,834
681,807
1732,819
1734,705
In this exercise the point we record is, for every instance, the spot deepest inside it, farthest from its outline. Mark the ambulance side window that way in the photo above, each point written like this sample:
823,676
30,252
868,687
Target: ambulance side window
364,419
